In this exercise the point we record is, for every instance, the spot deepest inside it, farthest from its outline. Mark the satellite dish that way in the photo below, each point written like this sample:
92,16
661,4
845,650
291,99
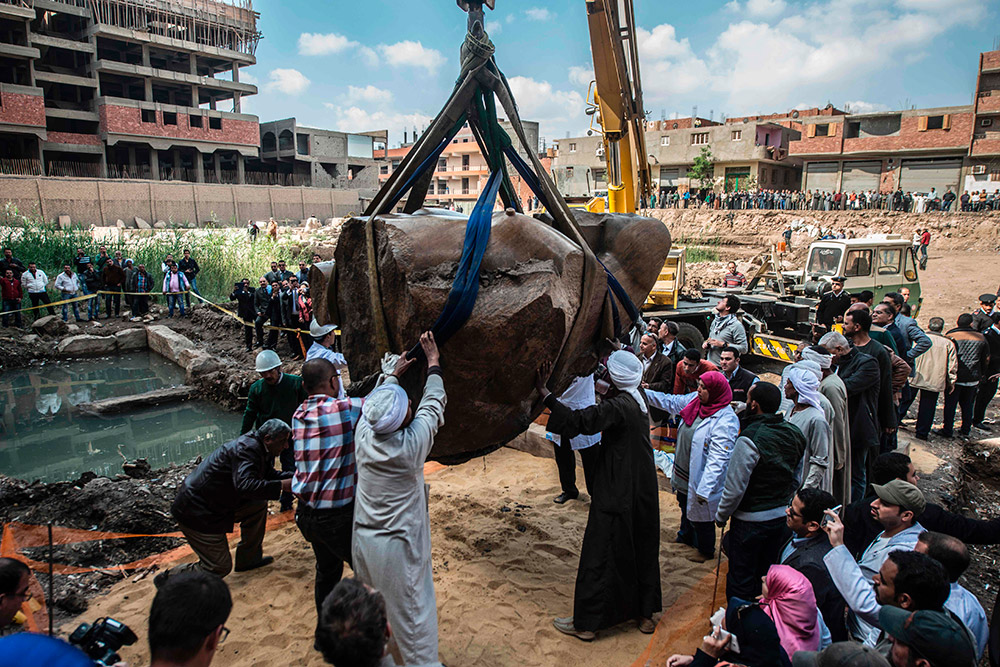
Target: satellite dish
590,133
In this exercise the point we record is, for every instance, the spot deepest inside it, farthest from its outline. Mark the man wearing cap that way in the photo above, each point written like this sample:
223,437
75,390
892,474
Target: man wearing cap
833,304
926,639
896,508
392,533
985,316
325,472
619,574
840,654
275,395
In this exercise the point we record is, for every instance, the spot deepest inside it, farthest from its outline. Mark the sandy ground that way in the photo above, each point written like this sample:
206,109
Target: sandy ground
501,576
953,281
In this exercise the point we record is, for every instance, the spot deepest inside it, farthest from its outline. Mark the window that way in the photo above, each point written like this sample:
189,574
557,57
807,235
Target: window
986,122
569,172
737,135
823,130
572,148
763,175
674,126
935,122
699,138
148,116
995,175
664,141
889,260
824,261
465,140
196,121
910,267
169,118
442,165
859,263
384,169
214,123
774,177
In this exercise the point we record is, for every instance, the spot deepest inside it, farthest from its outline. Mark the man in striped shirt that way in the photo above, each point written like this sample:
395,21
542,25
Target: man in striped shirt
325,472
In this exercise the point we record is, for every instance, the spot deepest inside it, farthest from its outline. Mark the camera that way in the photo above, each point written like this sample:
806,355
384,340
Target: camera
102,640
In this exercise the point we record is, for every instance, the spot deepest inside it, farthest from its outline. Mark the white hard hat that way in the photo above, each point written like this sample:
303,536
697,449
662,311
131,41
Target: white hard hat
267,360
317,330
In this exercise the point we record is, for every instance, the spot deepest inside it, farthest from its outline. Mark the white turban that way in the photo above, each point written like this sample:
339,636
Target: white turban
625,370
385,408
807,385
822,360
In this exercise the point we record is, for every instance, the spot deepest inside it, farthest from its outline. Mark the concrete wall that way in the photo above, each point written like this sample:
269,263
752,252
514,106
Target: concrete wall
102,202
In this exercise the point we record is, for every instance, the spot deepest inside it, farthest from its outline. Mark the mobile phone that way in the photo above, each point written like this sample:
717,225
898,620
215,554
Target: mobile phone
826,517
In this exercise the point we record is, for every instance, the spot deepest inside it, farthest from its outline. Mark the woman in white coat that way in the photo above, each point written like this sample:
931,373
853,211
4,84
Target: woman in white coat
708,430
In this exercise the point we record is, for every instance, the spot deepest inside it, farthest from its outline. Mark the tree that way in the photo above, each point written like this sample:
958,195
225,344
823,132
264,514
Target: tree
703,168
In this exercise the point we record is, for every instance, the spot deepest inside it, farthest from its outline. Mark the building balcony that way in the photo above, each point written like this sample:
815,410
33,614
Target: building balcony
988,102
126,69
22,105
150,120
20,9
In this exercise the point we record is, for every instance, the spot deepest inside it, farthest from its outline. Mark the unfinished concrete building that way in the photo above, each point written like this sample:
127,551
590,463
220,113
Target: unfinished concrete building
127,88
292,154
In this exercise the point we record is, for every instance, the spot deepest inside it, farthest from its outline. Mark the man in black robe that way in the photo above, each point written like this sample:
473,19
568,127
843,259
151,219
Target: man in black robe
619,574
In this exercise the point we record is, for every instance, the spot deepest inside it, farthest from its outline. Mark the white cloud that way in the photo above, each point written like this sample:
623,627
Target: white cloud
287,81
246,77
369,94
412,54
557,111
494,27
774,53
316,44
538,14
368,55
355,119
860,106
581,76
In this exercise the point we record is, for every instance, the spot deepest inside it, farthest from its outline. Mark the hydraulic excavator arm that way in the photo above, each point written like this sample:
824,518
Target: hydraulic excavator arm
616,100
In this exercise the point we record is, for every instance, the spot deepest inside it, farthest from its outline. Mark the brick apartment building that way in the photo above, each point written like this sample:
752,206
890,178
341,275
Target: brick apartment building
127,88
745,151
462,171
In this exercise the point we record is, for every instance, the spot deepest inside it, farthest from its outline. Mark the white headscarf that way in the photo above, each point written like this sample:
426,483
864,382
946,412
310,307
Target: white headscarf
625,370
822,360
385,408
806,384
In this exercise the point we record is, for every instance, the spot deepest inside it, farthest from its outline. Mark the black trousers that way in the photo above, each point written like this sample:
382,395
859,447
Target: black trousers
117,298
925,412
287,460
964,398
566,463
987,390
39,298
329,532
140,305
248,336
752,547
698,534
259,326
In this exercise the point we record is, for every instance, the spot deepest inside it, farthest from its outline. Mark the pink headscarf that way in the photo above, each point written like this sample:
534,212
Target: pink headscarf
719,396
791,604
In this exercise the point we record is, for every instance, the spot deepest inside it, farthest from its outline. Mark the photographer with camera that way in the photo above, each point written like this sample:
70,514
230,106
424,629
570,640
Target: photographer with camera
233,484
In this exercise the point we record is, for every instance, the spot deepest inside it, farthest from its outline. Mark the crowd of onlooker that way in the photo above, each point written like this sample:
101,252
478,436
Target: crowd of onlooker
828,200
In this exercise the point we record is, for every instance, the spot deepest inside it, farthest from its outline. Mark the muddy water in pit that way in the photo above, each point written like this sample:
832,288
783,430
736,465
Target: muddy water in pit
44,436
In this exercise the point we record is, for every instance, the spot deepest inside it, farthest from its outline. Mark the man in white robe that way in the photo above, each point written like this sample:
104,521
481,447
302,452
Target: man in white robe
392,532
802,407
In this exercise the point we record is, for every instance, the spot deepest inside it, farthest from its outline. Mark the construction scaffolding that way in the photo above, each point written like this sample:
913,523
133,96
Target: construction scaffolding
228,25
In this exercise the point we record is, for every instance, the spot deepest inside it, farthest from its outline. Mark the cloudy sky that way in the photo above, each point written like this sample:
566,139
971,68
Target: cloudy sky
357,66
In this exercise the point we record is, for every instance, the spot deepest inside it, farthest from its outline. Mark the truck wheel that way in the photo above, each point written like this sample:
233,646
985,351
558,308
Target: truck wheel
689,336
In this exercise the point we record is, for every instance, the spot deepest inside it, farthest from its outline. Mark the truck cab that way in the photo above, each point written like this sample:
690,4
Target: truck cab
881,263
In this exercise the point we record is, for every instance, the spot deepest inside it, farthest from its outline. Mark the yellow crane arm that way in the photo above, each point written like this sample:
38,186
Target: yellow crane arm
618,101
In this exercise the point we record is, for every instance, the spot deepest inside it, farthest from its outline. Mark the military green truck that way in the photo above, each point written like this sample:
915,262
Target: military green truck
779,307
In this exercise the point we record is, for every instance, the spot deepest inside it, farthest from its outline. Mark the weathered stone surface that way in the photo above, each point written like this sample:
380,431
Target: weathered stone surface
86,346
131,339
159,224
120,224
534,287
125,403
142,224
167,343
50,325
199,365
31,338
64,222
